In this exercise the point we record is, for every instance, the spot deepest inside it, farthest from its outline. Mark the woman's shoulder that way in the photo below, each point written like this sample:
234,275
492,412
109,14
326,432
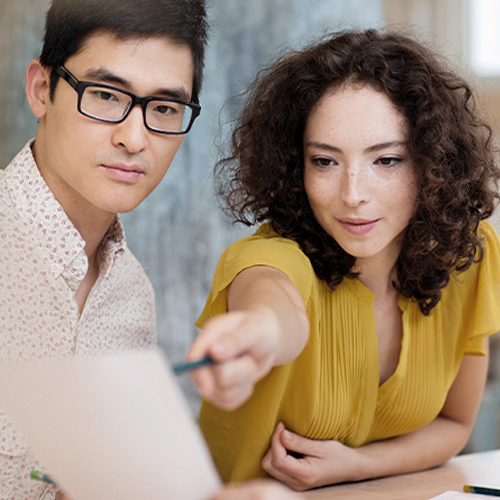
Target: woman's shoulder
489,234
265,232
483,276
266,243
267,248
470,301
490,252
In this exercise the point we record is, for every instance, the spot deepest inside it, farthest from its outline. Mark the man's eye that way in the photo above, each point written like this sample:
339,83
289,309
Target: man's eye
102,95
106,96
164,110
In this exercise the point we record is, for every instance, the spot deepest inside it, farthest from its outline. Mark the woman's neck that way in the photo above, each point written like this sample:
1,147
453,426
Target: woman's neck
378,273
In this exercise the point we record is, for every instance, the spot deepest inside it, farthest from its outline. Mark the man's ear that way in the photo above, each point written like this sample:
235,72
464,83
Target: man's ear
38,88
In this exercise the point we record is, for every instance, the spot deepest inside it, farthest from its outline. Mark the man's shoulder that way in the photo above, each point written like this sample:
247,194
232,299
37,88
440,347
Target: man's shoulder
16,173
2,184
7,208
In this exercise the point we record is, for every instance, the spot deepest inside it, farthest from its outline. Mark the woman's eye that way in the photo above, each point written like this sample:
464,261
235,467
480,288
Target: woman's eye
323,162
389,161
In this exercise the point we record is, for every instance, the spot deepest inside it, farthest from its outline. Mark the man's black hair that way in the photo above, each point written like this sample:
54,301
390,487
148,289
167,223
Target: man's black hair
69,23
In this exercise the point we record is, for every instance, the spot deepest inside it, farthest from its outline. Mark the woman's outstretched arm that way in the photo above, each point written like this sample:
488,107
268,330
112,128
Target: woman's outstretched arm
266,325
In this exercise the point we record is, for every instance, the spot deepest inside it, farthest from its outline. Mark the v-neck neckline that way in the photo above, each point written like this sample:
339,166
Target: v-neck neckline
375,393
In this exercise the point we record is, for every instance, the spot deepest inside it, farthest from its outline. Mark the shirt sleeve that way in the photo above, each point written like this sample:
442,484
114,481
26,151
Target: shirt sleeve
485,316
264,248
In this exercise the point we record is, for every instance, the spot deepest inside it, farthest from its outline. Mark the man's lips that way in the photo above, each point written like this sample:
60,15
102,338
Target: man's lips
123,171
134,167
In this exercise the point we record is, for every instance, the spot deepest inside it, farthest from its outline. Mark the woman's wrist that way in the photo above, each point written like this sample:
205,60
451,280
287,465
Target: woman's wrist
364,466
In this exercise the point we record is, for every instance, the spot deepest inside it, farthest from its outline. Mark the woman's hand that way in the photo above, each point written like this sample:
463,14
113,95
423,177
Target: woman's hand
258,489
318,463
266,326
244,346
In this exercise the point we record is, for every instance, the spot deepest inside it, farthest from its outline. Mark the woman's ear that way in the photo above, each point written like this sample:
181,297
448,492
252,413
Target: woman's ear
38,88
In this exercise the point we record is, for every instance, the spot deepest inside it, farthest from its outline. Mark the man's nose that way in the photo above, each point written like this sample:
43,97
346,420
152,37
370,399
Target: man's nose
131,133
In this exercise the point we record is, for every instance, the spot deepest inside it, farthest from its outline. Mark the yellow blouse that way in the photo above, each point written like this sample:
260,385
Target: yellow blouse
331,390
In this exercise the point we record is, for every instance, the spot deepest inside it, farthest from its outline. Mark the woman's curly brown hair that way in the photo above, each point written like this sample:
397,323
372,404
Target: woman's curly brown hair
262,178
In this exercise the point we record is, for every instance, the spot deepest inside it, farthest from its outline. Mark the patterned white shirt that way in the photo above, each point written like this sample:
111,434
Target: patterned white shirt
42,263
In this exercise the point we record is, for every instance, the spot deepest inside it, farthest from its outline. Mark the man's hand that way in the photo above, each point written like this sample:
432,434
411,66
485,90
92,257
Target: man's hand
61,496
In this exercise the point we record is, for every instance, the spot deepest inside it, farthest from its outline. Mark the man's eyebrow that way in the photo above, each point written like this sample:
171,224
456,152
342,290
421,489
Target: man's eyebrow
370,149
179,93
105,76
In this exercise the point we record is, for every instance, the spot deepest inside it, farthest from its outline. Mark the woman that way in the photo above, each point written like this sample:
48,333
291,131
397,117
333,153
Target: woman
350,332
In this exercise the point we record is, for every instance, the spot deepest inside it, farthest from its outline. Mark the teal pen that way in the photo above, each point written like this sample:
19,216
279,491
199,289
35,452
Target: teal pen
191,365
482,490
34,474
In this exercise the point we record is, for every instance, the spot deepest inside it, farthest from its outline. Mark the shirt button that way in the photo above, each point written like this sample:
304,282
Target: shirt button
80,266
55,268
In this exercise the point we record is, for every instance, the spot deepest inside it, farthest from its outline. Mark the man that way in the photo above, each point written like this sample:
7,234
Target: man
115,90
68,283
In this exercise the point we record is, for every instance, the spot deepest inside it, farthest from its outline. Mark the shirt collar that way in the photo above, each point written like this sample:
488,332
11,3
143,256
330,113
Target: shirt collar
114,240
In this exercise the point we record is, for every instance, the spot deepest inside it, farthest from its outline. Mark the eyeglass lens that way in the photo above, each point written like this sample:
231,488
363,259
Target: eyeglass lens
113,105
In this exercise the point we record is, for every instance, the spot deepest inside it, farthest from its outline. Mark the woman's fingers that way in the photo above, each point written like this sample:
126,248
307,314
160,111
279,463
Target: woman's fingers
300,444
228,384
243,350
217,337
297,472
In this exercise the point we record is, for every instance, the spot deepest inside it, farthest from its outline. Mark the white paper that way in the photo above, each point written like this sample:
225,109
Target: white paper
459,495
109,428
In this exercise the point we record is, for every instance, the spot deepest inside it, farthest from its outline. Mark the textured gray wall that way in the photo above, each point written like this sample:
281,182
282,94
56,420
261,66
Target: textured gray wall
179,232
21,31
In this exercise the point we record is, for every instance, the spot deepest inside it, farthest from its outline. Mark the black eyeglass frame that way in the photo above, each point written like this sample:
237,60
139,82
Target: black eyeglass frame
80,87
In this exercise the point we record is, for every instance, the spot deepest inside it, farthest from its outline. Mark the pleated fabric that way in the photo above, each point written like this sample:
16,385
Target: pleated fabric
331,390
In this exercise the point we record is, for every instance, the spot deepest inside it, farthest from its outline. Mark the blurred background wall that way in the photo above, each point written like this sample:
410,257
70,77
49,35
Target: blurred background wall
178,233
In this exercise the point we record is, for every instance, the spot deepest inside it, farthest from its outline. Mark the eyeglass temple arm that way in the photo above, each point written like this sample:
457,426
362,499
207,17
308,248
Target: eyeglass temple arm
64,73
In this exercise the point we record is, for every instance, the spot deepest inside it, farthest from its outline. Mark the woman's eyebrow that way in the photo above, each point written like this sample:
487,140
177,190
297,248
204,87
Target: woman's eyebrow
370,149
384,145
323,145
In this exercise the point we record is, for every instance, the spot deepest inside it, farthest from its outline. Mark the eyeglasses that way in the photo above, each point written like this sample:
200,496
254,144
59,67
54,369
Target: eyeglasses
110,104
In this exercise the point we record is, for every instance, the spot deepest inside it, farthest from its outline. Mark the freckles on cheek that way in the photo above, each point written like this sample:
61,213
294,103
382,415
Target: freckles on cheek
317,189
404,200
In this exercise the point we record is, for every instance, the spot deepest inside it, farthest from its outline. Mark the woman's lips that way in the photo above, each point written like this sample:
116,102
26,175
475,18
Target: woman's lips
358,226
